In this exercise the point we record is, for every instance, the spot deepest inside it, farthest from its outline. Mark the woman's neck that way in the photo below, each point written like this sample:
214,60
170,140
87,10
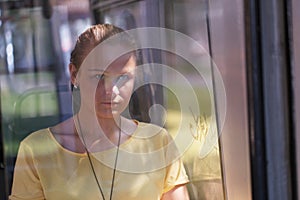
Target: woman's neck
110,126
93,128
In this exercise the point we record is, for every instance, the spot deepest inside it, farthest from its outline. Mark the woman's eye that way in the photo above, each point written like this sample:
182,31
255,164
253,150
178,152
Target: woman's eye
122,79
99,76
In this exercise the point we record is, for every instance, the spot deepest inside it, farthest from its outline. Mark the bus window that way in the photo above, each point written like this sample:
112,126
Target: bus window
211,160
191,65
34,79
181,83
202,159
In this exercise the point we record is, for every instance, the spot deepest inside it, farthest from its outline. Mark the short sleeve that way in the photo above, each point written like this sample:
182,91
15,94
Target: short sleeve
176,175
26,183
175,171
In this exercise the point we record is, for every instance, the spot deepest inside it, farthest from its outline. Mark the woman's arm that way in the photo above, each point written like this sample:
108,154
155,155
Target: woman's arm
26,183
179,192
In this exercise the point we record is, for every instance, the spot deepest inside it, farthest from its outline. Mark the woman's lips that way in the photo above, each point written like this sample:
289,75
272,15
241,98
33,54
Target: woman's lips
106,103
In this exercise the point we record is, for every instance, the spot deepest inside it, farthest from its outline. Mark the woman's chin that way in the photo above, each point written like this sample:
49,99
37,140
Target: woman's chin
109,114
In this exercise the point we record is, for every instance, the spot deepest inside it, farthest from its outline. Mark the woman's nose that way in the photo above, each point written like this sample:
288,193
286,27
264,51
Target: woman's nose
110,85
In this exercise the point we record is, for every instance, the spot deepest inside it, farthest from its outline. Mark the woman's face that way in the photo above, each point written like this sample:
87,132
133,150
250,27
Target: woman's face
107,90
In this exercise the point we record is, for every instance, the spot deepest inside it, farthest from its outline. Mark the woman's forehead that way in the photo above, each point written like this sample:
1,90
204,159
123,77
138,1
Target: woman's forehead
121,65
106,54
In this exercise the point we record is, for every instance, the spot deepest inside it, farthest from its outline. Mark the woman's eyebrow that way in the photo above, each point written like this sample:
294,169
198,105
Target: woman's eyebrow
95,69
107,73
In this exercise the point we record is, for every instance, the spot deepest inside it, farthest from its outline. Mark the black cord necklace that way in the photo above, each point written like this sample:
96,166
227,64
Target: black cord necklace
92,166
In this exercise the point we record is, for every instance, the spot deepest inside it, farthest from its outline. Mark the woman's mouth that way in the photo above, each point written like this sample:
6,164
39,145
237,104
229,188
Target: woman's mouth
109,103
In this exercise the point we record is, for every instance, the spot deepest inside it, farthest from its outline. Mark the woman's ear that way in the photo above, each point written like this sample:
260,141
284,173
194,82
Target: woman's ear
73,73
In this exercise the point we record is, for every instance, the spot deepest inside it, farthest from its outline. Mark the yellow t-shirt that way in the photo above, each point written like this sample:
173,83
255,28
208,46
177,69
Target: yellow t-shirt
148,165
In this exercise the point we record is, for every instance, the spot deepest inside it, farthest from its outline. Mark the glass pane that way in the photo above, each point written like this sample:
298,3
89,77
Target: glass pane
217,27
228,51
185,77
34,79
296,76
183,74
202,159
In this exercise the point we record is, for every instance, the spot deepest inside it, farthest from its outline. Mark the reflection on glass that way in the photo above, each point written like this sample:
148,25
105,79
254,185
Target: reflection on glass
202,158
31,74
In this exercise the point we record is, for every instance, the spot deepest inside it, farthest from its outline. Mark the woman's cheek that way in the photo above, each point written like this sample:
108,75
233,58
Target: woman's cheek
126,91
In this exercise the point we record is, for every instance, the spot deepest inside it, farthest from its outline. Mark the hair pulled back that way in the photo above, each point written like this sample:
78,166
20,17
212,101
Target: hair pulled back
93,36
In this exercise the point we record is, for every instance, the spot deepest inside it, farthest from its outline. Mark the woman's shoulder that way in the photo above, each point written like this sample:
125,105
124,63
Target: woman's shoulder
37,136
148,125
149,130
36,142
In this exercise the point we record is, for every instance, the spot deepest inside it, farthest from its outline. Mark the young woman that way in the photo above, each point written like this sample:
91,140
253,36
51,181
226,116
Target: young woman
98,154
